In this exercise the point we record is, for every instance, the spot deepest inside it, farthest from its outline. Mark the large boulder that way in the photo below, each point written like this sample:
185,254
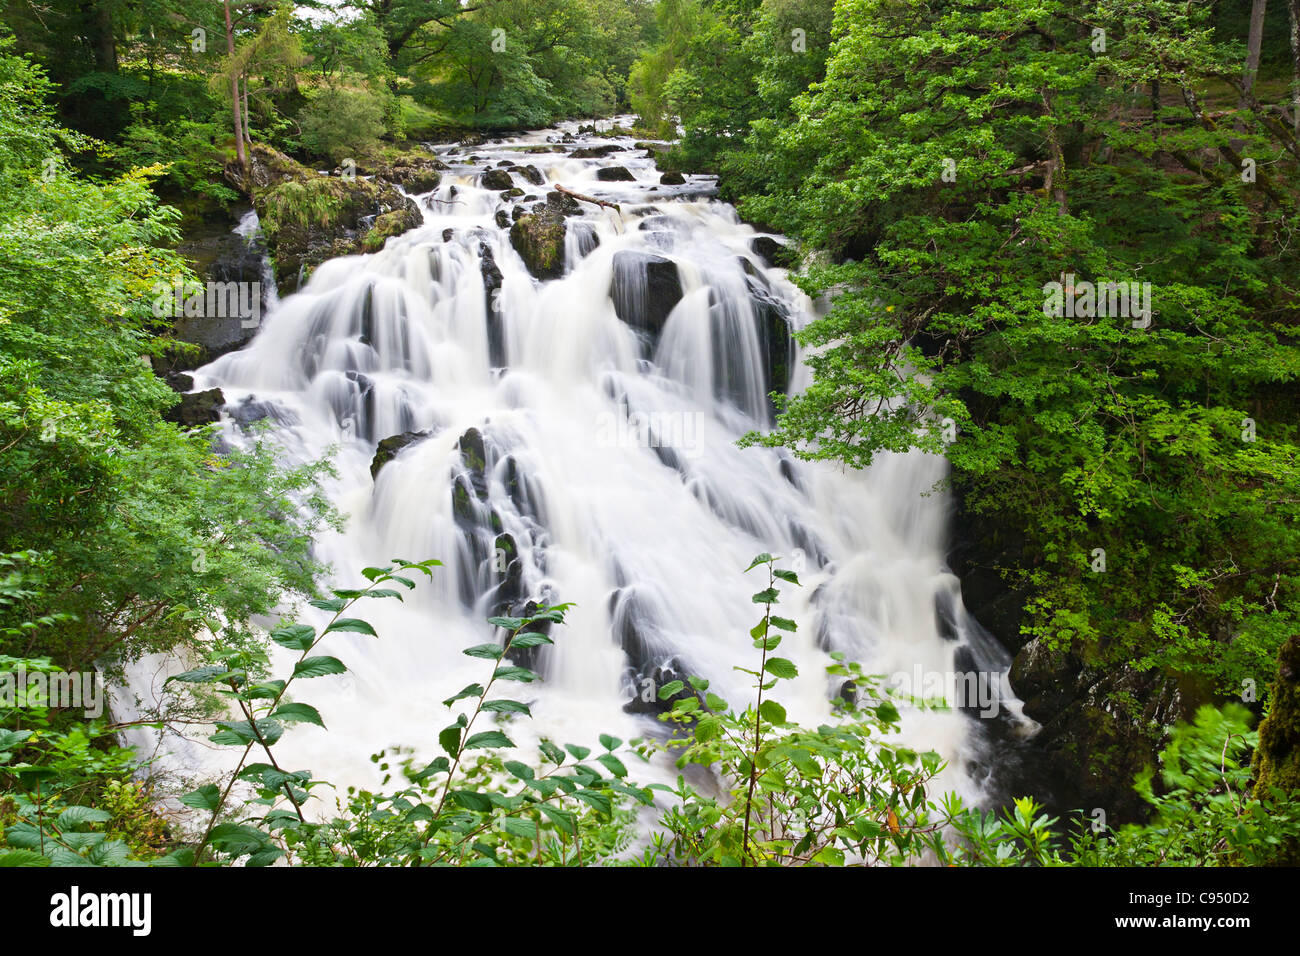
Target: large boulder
645,288
615,174
596,152
197,408
1277,758
496,179
539,240
772,252
308,217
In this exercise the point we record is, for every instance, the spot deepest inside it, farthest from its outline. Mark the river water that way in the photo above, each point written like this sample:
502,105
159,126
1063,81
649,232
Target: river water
574,439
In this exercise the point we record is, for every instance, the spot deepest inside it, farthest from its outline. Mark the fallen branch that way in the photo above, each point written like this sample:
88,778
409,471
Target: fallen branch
590,199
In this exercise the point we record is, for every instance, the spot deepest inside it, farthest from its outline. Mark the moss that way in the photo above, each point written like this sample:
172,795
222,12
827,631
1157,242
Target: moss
388,225
1277,758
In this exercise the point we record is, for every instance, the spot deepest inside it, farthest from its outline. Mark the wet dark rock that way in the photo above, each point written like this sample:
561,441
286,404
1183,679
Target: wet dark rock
596,152
197,408
389,448
496,179
492,280
502,219
562,204
672,178
615,174
645,288
772,252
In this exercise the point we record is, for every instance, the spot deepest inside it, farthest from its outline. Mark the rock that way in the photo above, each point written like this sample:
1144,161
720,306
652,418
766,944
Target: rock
391,224
496,179
615,174
492,279
308,218
562,204
1277,758
539,240
389,447
586,237
596,152
197,408
502,219
672,178
179,382
517,213
514,192
530,173
473,452
772,252
645,288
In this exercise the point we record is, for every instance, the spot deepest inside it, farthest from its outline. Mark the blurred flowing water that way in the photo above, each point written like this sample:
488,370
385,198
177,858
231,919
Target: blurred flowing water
575,440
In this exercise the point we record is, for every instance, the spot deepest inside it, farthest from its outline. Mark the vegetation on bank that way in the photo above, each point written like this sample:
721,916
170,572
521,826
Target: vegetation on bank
940,164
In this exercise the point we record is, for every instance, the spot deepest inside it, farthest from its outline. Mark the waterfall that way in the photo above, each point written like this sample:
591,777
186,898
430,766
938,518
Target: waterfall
575,440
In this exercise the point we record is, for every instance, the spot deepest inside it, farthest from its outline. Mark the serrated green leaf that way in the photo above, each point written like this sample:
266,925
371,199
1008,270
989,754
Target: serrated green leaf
318,667
300,713
353,625
780,667
296,637
488,738
501,706
488,652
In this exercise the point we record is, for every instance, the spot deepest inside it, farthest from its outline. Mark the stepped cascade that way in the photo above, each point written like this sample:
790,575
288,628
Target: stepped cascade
564,429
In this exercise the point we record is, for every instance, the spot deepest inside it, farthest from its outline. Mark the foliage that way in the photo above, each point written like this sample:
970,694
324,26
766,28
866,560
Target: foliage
947,179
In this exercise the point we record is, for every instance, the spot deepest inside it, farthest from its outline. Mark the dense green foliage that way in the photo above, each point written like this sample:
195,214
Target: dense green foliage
940,164
956,159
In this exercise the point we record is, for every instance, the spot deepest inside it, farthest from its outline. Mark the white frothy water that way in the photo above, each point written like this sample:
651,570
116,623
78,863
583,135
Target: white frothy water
609,476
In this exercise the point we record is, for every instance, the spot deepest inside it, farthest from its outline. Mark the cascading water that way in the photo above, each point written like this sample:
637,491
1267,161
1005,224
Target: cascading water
574,440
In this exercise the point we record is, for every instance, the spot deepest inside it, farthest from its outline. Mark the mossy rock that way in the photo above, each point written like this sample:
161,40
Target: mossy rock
391,224
539,240
1277,756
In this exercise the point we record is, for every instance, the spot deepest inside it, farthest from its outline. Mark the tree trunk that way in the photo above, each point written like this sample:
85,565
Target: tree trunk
1254,41
1295,64
234,91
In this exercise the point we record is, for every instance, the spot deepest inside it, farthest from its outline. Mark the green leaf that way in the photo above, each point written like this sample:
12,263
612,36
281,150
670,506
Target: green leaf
780,667
699,683
471,800
577,751
449,740
352,624
300,713
521,674
597,801
370,574
23,858
763,558
520,828
318,667
296,637
552,752
784,623
329,604
613,765
470,690
80,816
488,652
207,797
502,706
767,596
563,819
786,575
529,639
668,690
509,623
708,728
772,711
488,738
714,702
201,675
610,743
520,770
